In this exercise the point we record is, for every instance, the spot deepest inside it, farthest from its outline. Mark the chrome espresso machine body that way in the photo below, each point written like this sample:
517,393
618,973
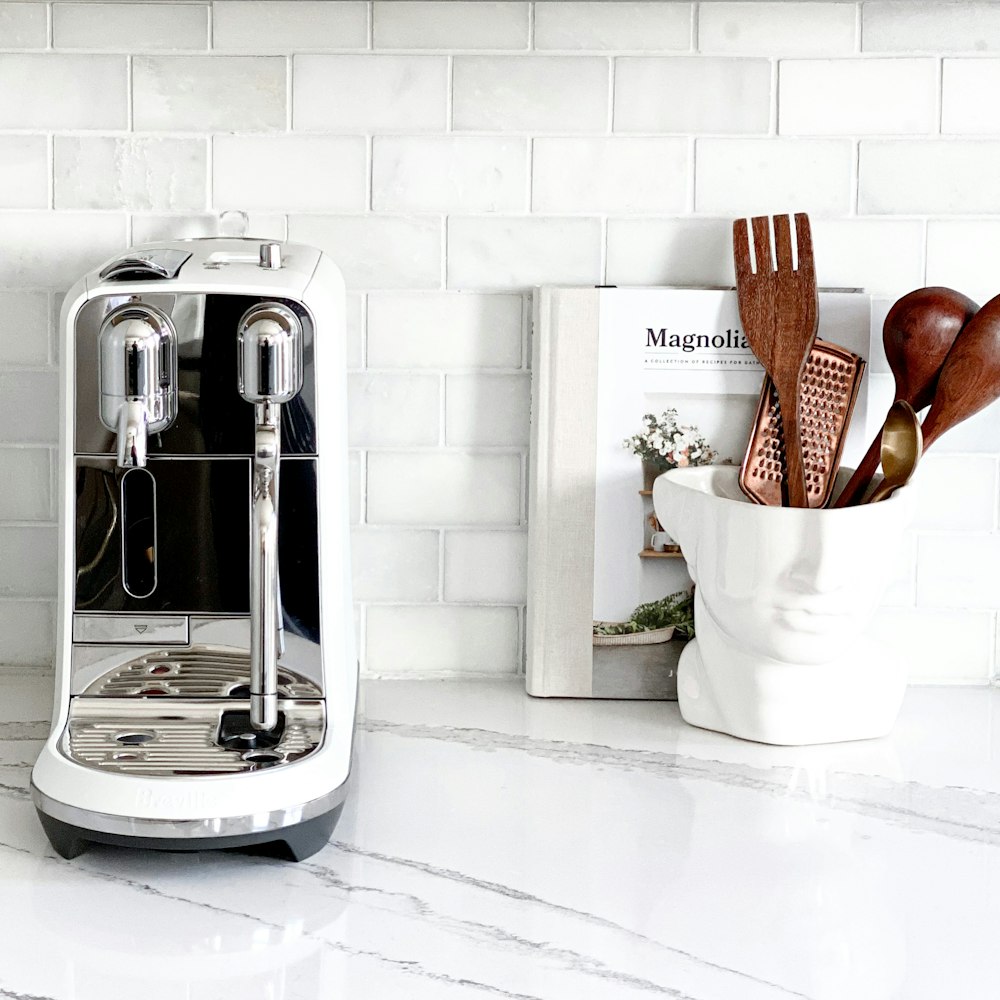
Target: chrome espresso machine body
206,677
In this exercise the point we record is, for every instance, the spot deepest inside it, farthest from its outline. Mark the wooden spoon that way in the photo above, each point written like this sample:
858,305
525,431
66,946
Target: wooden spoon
902,446
917,334
970,376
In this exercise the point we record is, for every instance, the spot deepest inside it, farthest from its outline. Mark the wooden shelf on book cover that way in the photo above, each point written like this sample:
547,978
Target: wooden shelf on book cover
650,554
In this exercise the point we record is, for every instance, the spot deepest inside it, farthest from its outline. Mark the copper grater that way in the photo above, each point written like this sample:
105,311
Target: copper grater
830,384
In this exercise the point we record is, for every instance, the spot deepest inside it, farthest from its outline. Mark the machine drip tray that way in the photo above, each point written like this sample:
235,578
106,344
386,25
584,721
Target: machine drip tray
180,736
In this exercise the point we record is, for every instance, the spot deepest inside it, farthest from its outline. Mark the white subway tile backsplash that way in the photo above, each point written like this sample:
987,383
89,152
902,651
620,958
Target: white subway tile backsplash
938,647
291,173
449,174
488,567
263,26
376,251
482,410
207,93
878,364
355,306
151,228
28,630
530,93
130,27
24,171
965,255
777,28
446,330
857,96
56,91
449,24
132,173
622,175
979,435
914,176
956,493
958,570
964,85
391,564
439,638
689,94
27,496
372,93
493,252
615,26
878,256
355,479
670,252
930,27
23,26
743,177
443,488
28,567
29,407
394,411
56,248
25,319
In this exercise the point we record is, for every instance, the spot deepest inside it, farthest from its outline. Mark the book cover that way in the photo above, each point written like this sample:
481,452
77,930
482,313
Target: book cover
602,358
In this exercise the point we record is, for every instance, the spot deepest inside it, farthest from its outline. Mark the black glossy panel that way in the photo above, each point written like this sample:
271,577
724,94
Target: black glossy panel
203,539
203,529
298,547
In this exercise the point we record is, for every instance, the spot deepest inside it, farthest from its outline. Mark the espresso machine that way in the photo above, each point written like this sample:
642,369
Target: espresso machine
206,676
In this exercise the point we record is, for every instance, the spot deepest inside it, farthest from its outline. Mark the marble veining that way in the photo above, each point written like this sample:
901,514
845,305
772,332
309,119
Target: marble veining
498,846
956,812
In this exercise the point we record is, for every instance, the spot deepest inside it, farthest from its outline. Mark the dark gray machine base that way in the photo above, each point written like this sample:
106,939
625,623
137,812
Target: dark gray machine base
294,843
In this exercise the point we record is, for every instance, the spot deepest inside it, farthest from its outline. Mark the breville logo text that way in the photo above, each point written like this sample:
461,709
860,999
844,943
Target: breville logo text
732,340
193,801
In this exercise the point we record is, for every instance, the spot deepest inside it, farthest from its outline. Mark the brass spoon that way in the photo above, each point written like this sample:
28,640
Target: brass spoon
902,446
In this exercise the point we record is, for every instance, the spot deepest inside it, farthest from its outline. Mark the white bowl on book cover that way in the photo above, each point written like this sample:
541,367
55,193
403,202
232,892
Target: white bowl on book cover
782,600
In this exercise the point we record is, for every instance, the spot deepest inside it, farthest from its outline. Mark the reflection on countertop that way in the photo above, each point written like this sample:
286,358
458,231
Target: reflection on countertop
499,846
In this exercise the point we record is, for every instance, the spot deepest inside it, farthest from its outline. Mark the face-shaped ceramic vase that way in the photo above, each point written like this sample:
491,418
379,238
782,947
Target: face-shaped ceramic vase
783,597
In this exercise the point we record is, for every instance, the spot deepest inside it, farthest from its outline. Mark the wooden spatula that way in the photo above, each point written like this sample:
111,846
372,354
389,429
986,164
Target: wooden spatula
779,310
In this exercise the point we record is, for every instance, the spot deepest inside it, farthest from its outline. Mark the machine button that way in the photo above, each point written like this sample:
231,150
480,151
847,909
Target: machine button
147,630
270,256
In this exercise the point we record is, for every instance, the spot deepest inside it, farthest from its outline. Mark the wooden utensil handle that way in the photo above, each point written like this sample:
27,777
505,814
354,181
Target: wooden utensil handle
795,473
860,481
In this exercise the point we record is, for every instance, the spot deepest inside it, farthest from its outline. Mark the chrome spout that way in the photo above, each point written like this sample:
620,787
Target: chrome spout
138,378
270,374
133,434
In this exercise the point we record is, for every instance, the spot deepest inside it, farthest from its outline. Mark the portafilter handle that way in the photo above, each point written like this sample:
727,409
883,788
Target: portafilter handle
270,374
138,377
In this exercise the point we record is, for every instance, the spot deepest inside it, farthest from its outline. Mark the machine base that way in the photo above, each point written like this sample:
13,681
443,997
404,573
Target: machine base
295,843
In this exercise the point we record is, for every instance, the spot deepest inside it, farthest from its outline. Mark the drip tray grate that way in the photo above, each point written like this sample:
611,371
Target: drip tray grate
198,672
152,737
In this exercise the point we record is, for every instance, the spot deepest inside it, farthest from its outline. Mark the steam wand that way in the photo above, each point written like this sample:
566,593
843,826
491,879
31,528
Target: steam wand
270,374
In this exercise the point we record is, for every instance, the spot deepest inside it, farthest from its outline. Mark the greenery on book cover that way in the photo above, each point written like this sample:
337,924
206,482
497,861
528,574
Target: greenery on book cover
675,610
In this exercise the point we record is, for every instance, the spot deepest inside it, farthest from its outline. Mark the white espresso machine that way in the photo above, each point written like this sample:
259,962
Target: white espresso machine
206,676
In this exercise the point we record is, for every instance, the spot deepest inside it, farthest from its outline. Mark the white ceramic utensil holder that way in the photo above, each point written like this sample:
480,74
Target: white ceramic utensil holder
782,600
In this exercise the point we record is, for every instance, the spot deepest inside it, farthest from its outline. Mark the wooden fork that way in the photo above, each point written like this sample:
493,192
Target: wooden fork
779,310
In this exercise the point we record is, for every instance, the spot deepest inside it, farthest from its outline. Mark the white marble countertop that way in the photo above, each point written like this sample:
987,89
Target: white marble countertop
498,846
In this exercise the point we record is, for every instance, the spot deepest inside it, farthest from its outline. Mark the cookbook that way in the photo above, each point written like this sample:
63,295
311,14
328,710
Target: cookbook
603,360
